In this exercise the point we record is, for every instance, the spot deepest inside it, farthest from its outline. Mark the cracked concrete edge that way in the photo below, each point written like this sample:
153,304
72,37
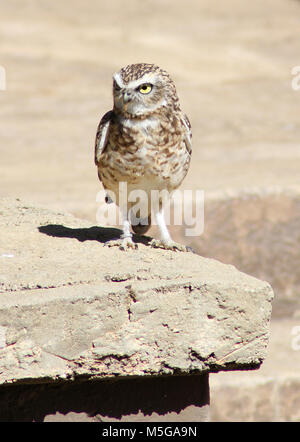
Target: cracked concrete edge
133,329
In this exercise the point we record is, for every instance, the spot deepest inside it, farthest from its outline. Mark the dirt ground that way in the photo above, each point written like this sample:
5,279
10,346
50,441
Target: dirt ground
231,62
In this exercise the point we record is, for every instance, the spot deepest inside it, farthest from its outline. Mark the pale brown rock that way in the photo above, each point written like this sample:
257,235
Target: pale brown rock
71,306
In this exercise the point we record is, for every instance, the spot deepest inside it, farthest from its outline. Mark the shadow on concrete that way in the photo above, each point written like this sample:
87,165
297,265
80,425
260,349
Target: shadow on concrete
101,234
105,400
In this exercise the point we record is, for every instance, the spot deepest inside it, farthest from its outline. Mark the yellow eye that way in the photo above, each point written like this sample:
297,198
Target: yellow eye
145,88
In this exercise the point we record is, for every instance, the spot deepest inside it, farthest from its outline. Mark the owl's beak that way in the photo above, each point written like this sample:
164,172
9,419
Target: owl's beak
127,96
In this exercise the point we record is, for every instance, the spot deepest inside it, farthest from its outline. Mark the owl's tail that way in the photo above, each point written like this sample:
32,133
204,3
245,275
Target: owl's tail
143,226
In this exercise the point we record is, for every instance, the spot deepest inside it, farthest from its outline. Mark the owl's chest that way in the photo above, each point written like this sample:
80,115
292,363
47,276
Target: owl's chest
145,150
143,139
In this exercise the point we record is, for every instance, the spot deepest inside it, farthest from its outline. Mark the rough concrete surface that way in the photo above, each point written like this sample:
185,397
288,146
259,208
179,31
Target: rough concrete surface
72,306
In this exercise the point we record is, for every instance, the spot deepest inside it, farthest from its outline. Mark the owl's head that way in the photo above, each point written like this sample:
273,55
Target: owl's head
141,89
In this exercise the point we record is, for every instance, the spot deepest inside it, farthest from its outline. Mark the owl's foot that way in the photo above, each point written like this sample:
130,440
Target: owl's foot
124,243
169,245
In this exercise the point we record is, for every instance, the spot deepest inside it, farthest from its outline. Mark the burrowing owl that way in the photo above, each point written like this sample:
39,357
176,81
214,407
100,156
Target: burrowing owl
145,142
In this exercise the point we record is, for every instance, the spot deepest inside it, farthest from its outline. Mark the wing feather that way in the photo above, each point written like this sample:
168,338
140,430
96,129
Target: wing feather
188,134
102,135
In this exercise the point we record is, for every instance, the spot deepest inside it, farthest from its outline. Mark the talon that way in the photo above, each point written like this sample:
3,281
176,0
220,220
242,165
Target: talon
127,243
169,245
123,243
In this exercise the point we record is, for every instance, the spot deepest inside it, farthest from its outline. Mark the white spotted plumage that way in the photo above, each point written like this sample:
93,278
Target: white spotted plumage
144,141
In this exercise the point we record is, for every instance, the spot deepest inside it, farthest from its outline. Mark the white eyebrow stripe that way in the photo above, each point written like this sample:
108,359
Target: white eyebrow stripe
118,79
147,78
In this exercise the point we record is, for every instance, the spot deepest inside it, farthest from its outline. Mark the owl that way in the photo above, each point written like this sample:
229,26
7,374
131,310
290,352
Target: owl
144,142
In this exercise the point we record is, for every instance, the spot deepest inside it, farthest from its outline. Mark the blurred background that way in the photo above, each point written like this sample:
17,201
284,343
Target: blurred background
232,64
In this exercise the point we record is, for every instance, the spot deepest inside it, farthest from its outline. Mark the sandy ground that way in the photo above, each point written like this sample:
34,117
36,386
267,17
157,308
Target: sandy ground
231,62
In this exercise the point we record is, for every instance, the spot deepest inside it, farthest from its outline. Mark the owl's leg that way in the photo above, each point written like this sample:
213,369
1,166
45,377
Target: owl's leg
125,242
126,237
166,241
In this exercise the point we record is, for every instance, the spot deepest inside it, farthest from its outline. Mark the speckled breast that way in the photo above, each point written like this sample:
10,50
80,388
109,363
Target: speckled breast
146,155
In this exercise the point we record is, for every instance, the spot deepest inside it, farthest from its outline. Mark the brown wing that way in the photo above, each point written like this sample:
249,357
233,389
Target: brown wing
188,133
102,135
